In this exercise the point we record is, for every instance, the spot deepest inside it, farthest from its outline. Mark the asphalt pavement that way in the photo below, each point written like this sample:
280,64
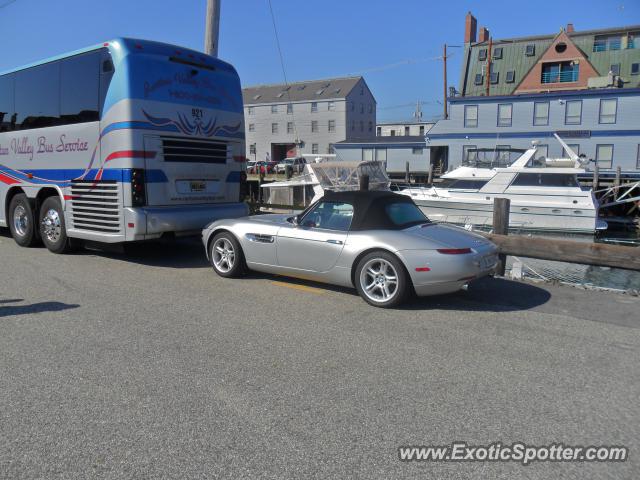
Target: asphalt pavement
146,365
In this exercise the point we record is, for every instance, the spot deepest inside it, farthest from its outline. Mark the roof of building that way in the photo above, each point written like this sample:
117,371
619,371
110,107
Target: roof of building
410,122
395,140
515,58
305,91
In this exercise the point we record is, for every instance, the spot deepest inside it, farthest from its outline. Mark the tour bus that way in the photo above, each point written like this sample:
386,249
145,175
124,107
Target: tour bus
125,141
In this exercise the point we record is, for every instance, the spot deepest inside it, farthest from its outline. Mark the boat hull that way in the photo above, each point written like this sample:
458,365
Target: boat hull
521,216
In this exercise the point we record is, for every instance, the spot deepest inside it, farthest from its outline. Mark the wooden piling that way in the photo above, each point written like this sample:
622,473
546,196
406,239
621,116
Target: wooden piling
501,207
406,173
364,182
430,178
596,176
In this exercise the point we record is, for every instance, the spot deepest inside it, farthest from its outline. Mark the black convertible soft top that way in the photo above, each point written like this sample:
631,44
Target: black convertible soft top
369,211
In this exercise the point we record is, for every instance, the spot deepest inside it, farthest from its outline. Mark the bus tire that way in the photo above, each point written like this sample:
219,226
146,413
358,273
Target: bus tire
52,226
22,221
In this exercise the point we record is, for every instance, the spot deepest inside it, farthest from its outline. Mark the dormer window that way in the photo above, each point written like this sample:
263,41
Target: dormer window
530,50
482,55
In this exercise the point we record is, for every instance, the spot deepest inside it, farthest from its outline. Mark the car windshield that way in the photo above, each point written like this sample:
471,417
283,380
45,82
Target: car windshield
405,214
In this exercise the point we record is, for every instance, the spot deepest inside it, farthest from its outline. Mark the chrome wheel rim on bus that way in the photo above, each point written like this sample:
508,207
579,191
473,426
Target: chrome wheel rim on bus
20,220
51,226
379,280
224,255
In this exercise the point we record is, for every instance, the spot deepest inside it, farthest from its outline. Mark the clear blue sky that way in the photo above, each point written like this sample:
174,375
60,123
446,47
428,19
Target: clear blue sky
393,44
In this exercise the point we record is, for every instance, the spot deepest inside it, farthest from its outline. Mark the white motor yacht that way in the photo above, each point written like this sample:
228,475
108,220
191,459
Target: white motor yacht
545,194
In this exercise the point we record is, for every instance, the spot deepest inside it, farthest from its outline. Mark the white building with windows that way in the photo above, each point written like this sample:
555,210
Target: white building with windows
307,117
403,129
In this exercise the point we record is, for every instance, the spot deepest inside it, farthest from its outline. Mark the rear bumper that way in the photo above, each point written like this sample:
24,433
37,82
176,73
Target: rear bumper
151,222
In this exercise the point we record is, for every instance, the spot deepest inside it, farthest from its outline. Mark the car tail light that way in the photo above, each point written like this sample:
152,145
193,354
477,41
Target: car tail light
138,194
454,251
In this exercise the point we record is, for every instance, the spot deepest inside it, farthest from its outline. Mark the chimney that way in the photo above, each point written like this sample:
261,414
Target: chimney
570,28
484,35
470,28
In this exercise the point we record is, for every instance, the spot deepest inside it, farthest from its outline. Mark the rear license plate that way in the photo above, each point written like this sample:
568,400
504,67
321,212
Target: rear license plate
198,186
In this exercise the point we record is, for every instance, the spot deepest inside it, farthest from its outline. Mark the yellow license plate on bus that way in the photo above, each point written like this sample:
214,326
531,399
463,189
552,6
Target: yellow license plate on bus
198,186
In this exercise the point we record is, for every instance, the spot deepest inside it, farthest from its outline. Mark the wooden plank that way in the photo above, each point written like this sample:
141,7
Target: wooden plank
598,254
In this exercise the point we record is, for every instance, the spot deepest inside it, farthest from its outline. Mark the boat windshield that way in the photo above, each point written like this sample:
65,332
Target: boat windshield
491,157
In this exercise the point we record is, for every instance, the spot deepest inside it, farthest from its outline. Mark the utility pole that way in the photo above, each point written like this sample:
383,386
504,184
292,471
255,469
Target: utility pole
444,61
489,66
212,29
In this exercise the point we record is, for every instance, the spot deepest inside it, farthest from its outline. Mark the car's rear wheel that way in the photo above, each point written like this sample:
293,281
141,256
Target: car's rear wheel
381,280
226,256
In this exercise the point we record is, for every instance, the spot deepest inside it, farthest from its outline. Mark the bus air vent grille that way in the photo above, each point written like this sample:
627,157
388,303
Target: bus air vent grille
96,205
180,149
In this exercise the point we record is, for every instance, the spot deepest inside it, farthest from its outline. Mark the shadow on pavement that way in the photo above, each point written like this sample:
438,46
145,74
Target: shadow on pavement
11,300
34,308
487,294
171,253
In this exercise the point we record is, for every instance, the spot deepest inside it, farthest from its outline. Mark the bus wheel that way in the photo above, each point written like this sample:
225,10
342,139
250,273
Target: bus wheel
21,221
52,227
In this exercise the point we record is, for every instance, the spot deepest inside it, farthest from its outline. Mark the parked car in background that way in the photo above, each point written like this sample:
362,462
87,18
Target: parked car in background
379,242
297,165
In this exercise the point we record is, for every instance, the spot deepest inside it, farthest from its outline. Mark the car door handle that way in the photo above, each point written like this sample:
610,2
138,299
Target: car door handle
335,242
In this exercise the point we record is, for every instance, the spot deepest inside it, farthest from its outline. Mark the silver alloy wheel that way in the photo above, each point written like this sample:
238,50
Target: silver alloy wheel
51,225
20,220
223,254
379,280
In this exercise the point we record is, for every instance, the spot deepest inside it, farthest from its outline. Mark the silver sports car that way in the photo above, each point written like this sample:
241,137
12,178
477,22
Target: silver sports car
379,242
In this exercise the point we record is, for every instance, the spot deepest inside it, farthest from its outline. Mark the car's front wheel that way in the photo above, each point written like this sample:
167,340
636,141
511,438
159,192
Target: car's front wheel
226,256
381,280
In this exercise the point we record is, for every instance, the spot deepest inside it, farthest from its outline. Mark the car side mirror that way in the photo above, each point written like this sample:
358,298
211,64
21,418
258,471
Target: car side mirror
295,220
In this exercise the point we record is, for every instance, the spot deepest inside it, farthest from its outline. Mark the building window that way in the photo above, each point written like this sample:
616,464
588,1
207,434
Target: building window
603,43
608,110
252,149
468,155
252,127
314,107
250,111
562,72
353,105
392,133
530,50
511,76
361,126
361,90
332,125
367,154
505,111
353,124
407,131
604,155
289,127
378,130
331,106
314,148
471,116
541,113
274,128
478,79
494,77
314,126
289,108
421,130
497,53
370,126
274,108
330,148
575,147
482,54
635,68
615,69
362,108
381,154
416,151
573,112
370,108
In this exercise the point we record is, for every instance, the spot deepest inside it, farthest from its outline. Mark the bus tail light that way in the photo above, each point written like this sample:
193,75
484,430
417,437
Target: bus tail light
138,193
454,251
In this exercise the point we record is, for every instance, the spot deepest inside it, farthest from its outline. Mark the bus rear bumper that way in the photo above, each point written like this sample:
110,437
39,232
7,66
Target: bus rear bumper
146,223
